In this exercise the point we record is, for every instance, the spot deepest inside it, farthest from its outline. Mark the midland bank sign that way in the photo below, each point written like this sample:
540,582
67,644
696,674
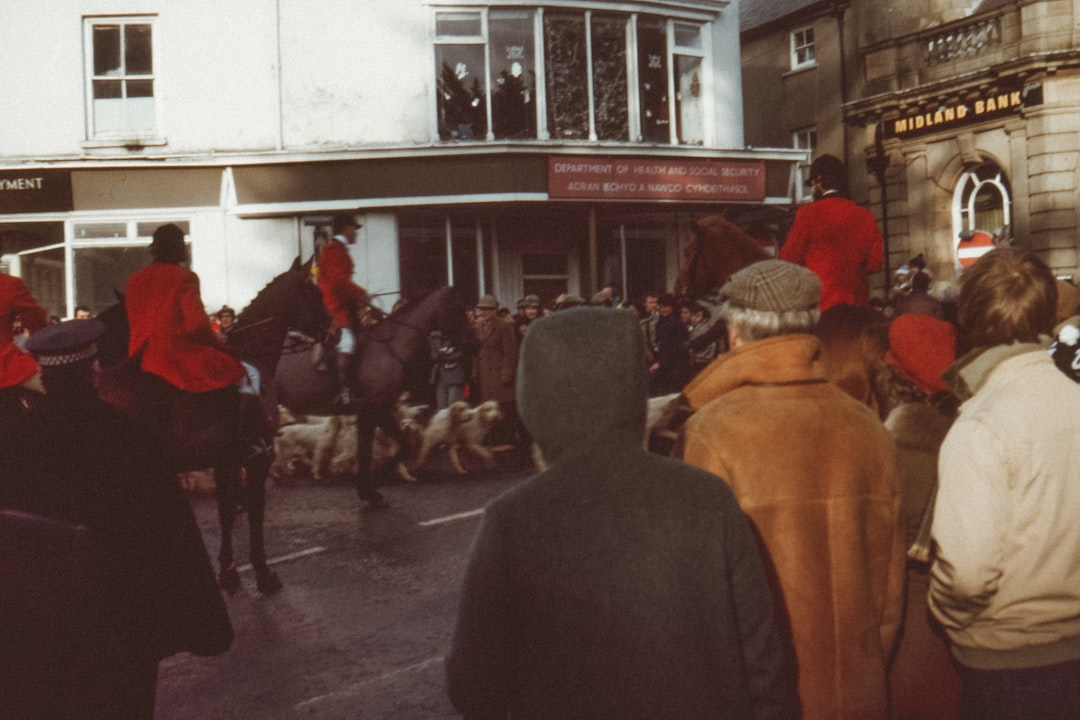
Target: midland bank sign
1007,98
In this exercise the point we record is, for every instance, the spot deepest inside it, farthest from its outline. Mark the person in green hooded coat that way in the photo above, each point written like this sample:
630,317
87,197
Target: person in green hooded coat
615,583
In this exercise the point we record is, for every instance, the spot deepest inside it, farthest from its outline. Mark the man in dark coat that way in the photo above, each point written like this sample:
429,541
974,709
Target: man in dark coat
80,463
616,583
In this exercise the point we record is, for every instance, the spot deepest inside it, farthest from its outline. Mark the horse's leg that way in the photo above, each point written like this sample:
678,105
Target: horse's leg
366,421
257,469
227,489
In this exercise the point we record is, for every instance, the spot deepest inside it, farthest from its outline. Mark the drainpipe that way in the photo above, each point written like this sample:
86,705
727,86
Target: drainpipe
878,164
838,10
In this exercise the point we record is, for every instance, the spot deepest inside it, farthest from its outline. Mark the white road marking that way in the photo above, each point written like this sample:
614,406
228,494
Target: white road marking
452,518
356,688
286,558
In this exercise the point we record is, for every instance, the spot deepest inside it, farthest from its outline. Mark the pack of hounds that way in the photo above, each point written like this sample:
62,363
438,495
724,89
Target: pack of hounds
323,448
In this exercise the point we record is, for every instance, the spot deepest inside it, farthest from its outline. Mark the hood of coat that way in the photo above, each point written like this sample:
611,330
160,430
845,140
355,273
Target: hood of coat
780,360
581,381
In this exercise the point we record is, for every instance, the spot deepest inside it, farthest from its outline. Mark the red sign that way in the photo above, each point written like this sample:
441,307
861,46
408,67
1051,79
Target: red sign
972,246
631,179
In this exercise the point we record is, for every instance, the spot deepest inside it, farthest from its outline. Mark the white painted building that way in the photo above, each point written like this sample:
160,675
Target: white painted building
503,147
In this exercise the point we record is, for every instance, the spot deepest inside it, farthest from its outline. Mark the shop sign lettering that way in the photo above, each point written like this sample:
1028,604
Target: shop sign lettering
638,179
948,114
30,191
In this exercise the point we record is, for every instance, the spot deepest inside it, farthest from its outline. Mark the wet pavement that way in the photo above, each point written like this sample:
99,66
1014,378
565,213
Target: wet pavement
366,614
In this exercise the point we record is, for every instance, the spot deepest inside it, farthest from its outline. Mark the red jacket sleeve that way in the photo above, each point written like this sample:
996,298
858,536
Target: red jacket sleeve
340,293
25,306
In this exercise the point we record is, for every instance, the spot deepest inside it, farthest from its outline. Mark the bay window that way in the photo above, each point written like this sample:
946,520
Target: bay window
524,73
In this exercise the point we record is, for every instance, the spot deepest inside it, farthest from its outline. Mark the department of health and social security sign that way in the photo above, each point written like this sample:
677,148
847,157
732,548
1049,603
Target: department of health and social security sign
630,179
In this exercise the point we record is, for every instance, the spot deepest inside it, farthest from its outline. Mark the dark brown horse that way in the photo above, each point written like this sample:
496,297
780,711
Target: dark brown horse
238,441
385,353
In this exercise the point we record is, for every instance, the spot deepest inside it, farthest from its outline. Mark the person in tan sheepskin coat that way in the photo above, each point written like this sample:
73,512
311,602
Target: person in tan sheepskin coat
815,471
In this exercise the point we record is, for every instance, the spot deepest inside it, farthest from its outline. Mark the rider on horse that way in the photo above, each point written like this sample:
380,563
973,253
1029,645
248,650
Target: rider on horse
194,393
170,329
343,297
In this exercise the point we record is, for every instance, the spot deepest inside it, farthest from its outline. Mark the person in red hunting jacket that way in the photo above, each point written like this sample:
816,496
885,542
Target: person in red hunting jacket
837,239
16,366
170,329
342,297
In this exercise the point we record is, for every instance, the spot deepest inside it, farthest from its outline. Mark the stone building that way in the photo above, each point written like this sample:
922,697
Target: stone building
963,113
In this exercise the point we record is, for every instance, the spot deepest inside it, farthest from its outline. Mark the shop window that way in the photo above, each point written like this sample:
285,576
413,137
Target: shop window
982,202
605,76
437,250
120,83
805,139
105,253
802,48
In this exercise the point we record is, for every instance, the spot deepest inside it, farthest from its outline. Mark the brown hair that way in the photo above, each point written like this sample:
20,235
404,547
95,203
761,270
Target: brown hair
1007,296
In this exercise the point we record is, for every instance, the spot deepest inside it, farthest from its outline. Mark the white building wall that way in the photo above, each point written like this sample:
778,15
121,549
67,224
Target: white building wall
357,73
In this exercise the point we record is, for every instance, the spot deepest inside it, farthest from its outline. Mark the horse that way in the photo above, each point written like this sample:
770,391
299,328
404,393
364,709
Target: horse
385,352
854,340
718,248
238,445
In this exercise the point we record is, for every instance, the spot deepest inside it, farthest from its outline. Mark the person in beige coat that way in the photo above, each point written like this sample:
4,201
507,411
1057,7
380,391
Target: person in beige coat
815,471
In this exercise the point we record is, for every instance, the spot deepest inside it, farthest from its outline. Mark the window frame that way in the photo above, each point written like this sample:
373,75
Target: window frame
125,136
965,193
798,44
804,139
702,52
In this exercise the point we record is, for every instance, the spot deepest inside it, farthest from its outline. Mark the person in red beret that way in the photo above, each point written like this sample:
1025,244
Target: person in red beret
922,680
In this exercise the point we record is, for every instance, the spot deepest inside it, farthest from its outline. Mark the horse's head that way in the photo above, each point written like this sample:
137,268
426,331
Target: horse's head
291,298
718,249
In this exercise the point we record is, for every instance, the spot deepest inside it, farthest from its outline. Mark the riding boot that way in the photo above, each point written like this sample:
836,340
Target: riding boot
344,376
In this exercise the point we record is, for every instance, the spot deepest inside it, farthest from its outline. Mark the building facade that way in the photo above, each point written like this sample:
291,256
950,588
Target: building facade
502,147
962,113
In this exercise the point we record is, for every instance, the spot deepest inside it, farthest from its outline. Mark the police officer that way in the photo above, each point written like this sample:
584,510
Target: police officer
77,461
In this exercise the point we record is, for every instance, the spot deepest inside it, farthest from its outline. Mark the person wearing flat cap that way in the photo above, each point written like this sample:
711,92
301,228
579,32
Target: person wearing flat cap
815,471
494,345
836,238
148,591
616,583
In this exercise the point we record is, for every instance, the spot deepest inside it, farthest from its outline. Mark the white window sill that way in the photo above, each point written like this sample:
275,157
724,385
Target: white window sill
801,68
131,143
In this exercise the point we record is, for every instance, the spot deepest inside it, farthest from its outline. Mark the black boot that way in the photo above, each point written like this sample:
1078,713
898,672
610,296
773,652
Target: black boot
344,376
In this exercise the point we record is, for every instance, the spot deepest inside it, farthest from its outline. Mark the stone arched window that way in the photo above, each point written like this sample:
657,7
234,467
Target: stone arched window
982,202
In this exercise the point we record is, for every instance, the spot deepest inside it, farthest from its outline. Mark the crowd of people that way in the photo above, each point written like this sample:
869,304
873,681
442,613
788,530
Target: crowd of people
870,512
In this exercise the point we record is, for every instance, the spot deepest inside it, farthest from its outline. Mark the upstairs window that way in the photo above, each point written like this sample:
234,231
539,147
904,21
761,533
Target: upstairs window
802,48
120,83
569,75
805,139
